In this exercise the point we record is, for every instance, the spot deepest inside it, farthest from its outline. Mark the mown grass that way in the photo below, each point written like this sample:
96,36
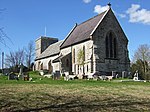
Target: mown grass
78,95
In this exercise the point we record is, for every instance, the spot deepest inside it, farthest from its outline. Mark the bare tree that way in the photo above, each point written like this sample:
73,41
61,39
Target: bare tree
14,59
29,54
143,53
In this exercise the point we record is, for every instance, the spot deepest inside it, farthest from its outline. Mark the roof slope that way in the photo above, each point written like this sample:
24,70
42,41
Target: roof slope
82,31
51,50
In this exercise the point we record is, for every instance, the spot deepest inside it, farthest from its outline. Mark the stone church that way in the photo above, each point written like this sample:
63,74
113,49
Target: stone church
98,44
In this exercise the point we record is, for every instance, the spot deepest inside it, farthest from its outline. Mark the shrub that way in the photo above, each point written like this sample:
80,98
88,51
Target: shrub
147,75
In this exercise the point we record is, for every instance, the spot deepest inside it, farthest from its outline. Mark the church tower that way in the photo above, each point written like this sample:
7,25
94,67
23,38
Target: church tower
42,43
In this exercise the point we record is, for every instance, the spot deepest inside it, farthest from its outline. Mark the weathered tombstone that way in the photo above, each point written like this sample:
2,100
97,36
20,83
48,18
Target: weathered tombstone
56,75
26,76
116,76
12,76
21,71
136,77
113,73
103,77
123,74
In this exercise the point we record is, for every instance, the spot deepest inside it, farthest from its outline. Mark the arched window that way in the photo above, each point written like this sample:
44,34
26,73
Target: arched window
115,48
87,68
111,45
73,56
67,63
107,46
41,66
78,69
83,53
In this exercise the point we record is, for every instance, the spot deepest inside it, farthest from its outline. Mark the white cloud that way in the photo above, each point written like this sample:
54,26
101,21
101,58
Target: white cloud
99,9
137,15
87,1
122,15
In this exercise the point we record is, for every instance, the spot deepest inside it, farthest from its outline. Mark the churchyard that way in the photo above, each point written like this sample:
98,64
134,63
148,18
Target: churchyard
45,95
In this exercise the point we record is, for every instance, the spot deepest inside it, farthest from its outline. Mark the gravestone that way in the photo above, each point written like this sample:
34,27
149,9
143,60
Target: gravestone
56,75
26,76
12,76
21,69
136,77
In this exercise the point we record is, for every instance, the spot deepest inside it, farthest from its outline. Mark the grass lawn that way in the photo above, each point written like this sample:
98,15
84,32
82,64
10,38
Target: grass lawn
78,95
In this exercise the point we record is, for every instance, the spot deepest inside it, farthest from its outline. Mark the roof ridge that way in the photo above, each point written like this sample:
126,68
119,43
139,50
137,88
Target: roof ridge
84,30
69,34
55,43
91,18
105,13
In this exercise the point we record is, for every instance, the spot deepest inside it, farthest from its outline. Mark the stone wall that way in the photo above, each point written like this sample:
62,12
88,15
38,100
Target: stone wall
37,47
121,63
88,67
65,51
46,63
65,54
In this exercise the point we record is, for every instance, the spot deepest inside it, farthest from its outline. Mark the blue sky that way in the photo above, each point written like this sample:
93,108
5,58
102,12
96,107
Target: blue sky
25,20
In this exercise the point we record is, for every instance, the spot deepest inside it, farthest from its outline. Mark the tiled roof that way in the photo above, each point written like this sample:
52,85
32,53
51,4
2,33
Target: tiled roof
53,49
82,31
